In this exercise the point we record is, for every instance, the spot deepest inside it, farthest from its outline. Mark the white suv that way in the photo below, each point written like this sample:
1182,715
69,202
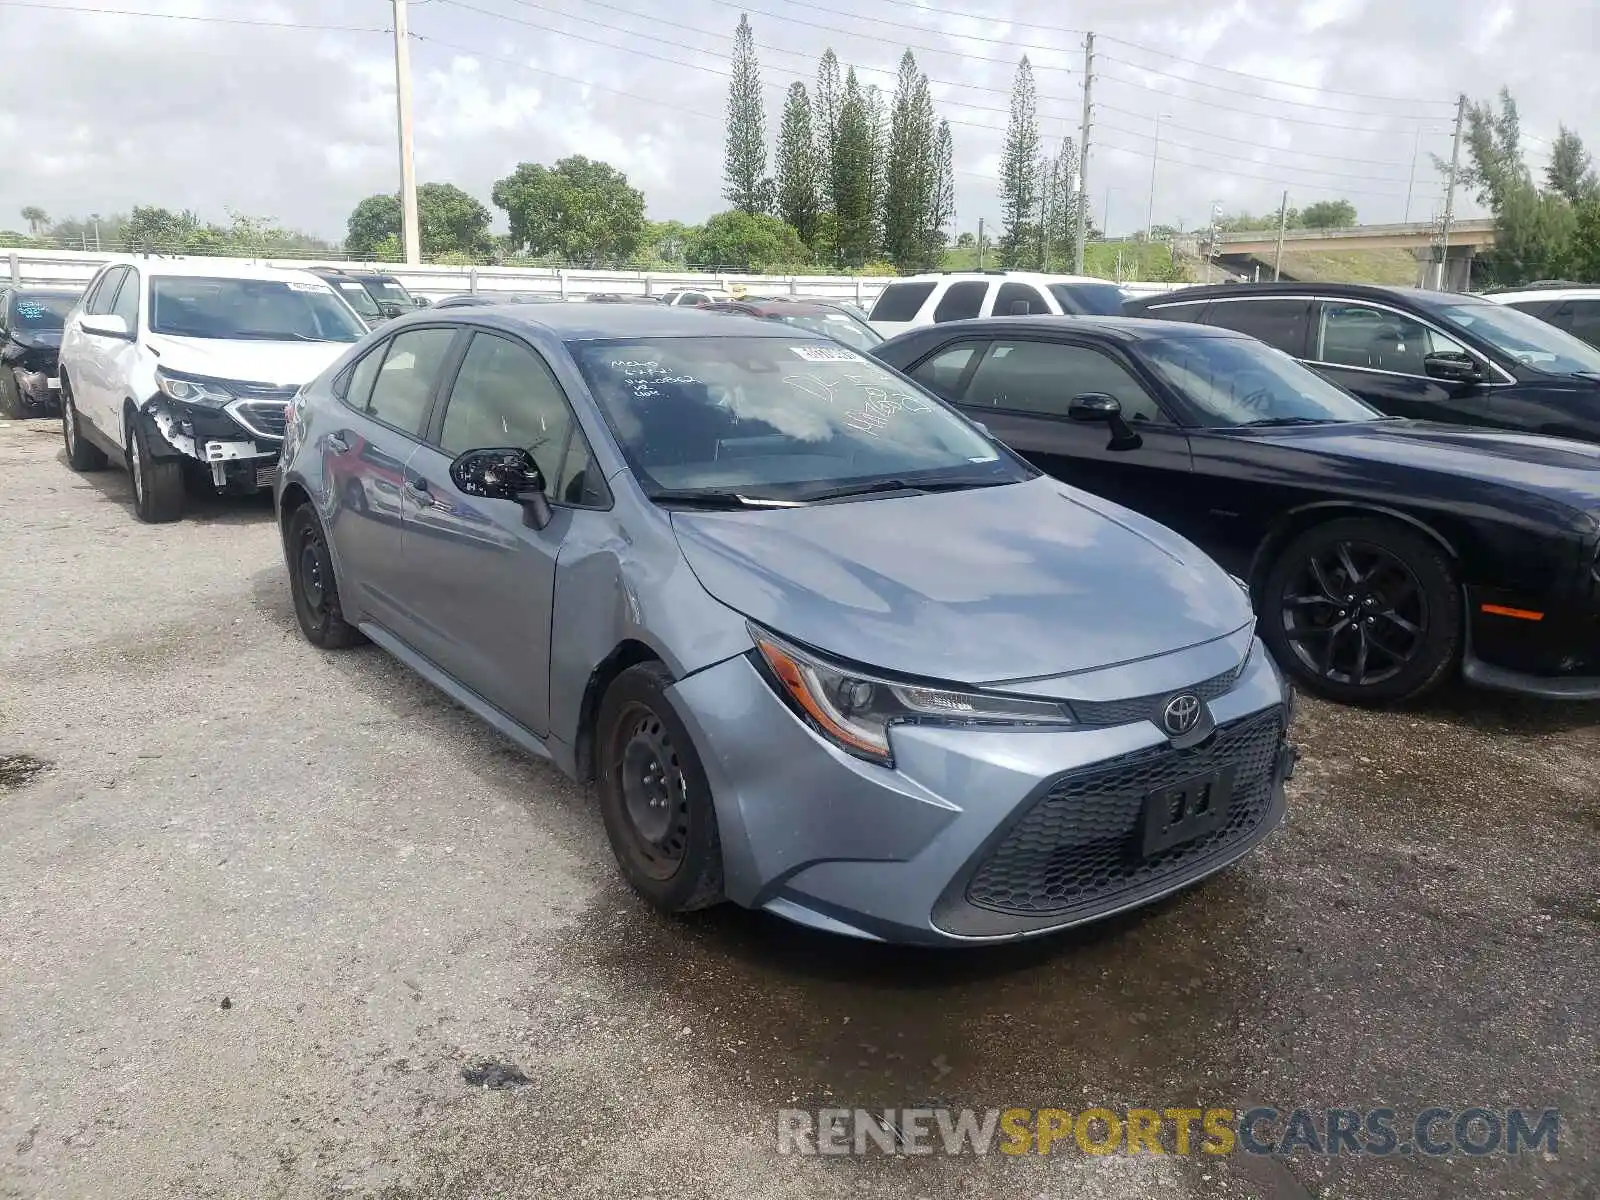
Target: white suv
1574,307
960,295
182,370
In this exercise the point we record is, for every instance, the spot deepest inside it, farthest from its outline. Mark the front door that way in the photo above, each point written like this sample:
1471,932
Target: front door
481,578
1379,353
387,399
1021,388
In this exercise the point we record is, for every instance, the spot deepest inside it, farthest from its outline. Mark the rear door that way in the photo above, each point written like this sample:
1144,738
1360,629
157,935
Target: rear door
1379,354
1013,299
1021,388
480,578
899,304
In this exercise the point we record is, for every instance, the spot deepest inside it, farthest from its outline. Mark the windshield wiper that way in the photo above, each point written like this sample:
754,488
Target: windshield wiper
876,486
1265,421
718,498
272,335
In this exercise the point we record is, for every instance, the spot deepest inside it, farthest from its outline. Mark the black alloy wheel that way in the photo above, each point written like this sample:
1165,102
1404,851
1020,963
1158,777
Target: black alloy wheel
1363,611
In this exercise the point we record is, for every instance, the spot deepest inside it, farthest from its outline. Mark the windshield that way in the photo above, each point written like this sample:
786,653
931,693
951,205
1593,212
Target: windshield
1089,299
357,296
250,310
41,310
777,418
1240,381
388,289
1527,339
837,326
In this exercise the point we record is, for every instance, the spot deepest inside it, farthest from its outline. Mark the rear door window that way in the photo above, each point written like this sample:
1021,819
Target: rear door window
1013,294
1089,299
901,301
404,384
1580,318
961,301
1281,324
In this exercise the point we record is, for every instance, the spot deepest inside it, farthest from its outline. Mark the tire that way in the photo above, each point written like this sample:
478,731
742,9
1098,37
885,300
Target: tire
157,482
11,406
82,455
1363,611
654,795
313,584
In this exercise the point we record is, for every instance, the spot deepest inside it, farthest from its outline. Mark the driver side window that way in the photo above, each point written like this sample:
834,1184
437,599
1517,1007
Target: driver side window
1043,378
1355,335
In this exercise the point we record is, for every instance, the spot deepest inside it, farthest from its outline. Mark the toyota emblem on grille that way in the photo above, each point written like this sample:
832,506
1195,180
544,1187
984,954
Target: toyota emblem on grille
1181,714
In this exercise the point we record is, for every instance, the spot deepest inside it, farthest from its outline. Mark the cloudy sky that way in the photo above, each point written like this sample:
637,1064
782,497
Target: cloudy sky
1327,98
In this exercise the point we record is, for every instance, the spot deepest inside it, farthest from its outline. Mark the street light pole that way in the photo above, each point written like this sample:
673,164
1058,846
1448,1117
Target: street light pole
408,167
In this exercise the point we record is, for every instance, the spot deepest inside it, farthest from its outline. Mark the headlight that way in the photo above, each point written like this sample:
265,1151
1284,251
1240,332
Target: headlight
855,711
193,391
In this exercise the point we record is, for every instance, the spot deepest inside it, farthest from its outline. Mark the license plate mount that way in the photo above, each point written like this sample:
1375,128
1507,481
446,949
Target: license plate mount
53,383
1186,811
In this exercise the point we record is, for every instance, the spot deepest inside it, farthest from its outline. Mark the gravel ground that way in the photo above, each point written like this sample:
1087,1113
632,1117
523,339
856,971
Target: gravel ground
270,919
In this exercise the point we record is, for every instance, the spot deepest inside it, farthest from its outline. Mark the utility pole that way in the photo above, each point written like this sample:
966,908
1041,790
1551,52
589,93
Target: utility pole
1416,150
1450,191
980,243
1283,223
1155,157
410,233
1083,153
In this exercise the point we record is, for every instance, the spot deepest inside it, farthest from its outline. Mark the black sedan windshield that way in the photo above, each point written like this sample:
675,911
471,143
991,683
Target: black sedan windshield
268,310
1240,381
777,418
1525,338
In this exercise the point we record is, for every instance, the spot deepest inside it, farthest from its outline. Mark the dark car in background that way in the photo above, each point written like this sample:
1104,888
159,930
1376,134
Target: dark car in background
375,296
481,299
1383,555
31,320
813,318
1434,356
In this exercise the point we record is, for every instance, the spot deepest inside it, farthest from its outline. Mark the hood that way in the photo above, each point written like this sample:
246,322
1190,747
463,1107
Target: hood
37,339
1554,467
278,364
1023,581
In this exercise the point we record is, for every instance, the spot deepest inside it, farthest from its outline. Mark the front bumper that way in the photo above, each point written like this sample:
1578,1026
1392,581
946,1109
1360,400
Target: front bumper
1529,646
240,444
912,853
38,383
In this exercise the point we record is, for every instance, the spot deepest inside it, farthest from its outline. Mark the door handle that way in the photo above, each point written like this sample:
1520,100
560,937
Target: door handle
418,485
337,444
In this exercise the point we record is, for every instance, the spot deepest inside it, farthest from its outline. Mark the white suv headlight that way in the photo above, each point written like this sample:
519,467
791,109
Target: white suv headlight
193,391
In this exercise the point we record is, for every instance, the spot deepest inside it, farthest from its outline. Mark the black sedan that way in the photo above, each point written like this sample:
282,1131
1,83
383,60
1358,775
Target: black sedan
1384,555
1432,356
30,343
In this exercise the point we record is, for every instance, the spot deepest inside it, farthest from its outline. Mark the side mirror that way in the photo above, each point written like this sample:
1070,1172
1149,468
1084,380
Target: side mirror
421,302
1095,406
390,309
107,325
1451,366
1019,308
504,473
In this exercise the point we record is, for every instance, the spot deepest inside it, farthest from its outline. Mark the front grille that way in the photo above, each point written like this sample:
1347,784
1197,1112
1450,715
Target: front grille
263,418
1101,714
1078,848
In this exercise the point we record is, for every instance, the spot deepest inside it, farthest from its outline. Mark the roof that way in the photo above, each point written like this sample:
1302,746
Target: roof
1117,329
1348,291
596,322
1018,276
1566,291
772,308
212,268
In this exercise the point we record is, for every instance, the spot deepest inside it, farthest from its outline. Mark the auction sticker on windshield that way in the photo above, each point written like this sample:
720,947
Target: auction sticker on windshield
820,353
296,286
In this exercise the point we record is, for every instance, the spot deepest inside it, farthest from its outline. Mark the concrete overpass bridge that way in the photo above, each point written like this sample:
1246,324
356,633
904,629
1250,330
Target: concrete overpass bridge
1244,252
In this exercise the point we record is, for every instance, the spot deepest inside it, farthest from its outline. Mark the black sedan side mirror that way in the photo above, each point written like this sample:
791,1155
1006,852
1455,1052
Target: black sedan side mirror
1098,407
504,473
1451,366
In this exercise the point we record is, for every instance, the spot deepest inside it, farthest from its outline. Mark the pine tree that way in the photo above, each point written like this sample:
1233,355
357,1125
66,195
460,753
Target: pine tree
1061,220
1570,171
851,177
825,116
942,208
878,122
799,174
745,182
909,182
1019,170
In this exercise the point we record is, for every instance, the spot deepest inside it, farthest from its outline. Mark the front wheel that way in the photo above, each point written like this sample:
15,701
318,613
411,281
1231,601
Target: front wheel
157,482
1363,611
654,795
11,405
311,579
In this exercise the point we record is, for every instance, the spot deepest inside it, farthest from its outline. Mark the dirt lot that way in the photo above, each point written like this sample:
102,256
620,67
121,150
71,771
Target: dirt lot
263,911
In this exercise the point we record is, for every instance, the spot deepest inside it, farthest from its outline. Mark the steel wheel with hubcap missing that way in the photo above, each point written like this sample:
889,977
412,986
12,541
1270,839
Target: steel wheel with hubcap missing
654,795
313,585
1363,610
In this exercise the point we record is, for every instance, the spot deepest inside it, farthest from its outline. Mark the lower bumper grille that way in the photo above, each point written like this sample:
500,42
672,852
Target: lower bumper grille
1077,850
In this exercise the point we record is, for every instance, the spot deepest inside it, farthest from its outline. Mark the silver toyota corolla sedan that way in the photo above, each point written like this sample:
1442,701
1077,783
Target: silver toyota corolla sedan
826,648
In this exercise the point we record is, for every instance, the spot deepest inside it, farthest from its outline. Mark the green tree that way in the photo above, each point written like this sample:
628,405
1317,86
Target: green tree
1586,239
747,242
744,173
825,117
1494,151
668,241
1570,172
799,173
581,210
372,220
36,218
452,222
912,174
1059,210
1019,170
942,213
159,230
851,178
1324,214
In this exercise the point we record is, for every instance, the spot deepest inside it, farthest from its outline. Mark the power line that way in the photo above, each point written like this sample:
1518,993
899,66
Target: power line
1218,87
1371,162
1261,116
206,20
1287,167
1233,172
